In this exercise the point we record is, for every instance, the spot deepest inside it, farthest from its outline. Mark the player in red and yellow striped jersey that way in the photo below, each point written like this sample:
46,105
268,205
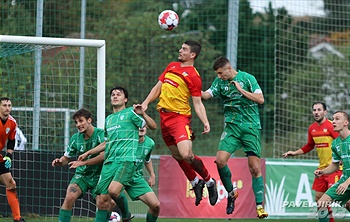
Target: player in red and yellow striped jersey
180,81
7,134
320,135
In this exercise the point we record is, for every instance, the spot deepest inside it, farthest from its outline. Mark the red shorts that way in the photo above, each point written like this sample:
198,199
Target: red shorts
324,182
175,127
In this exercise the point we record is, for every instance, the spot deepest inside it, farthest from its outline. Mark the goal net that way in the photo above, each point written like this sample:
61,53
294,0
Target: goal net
48,79
312,66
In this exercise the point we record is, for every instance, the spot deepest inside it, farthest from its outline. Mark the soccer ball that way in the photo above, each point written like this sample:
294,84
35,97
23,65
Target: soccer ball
115,217
168,20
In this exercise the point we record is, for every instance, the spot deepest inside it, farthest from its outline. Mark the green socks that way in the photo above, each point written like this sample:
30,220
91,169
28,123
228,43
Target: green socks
258,188
122,203
225,176
64,215
323,214
102,216
151,218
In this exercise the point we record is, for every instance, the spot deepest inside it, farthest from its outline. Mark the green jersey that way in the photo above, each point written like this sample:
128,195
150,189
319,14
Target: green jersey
237,108
143,154
78,145
122,133
341,152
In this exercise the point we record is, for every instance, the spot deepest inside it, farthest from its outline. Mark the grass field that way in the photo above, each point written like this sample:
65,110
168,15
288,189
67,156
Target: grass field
51,219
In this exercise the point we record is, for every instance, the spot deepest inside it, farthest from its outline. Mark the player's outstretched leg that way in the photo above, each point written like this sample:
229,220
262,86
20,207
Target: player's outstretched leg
198,166
258,189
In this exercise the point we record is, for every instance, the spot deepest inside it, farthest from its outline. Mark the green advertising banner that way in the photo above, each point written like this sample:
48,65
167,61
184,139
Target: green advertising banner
288,190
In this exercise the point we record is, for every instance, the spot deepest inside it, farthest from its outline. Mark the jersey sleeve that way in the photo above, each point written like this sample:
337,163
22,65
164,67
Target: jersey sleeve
335,155
310,142
253,84
13,126
162,76
137,120
152,144
101,136
71,149
214,89
195,84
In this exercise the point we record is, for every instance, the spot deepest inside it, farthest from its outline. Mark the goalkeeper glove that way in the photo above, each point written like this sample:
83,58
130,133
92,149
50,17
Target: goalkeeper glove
8,161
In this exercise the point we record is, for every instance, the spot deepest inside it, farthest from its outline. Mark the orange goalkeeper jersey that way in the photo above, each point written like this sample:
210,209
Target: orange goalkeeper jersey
179,83
7,131
321,137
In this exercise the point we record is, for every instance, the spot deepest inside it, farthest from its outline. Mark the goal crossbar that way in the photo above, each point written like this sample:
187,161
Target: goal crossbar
100,45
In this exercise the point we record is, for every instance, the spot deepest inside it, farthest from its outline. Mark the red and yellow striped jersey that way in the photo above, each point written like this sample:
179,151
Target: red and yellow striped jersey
7,131
179,83
321,137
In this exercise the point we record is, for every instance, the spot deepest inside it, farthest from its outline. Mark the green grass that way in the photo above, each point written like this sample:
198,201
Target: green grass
47,219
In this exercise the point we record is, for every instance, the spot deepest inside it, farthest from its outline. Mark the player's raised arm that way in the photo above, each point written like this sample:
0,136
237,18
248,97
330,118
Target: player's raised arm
101,147
149,121
201,113
63,161
293,153
153,94
93,161
206,95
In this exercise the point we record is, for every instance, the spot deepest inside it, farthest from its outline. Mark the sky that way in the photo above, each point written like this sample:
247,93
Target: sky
294,7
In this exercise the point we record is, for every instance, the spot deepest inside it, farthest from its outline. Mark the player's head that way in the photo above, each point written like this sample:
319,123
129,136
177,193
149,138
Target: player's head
82,119
340,121
119,96
190,50
5,107
223,68
142,131
319,110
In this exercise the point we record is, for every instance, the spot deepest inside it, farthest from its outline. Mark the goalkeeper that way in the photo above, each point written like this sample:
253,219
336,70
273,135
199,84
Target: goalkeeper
8,133
87,172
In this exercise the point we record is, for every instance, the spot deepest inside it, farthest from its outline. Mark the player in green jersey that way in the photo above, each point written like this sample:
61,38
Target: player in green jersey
240,94
138,188
340,191
86,176
121,131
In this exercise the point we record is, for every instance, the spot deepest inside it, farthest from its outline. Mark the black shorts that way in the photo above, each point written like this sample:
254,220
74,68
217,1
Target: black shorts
3,169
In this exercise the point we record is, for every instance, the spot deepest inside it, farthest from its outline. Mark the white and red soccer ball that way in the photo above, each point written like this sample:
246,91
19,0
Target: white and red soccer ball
115,217
168,20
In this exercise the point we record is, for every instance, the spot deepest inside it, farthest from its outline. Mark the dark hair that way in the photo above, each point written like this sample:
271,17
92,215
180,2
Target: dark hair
82,113
345,114
4,99
194,47
220,62
126,94
323,105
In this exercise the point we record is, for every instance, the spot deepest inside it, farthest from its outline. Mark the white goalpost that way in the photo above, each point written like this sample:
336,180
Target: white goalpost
45,92
28,43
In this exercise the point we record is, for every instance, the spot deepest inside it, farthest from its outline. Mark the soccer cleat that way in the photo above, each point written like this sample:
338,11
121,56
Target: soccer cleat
128,219
198,191
20,220
213,193
261,212
231,198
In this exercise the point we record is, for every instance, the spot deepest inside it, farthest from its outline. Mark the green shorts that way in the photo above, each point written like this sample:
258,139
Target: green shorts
119,171
336,197
138,187
236,137
85,184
